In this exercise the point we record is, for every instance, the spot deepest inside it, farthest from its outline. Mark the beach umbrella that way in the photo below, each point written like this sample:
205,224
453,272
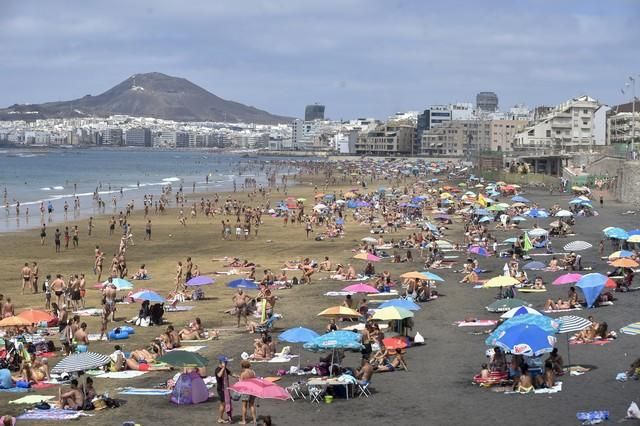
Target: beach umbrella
200,280
572,324
518,205
635,238
413,275
537,213
320,195
520,199
149,295
445,195
395,342
619,254
534,266
520,310
634,232
485,219
260,388
591,286
503,305
319,207
563,213
302,200
518,219
481,251
544,322
538,232
340,339
624,262
120,283
360,288
243,283
298,335
36,316
510,240
367,256
577,246
370,240
569,278
15,321
80,362
431,276
481,212
444,245
339,311
631,329
401,303
392,313
615,233
501,281
526,339
184,359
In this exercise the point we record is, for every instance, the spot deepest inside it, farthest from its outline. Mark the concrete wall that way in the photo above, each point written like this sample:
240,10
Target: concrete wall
627,188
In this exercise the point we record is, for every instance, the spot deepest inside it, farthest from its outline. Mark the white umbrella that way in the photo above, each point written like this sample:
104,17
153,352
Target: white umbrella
572,324
510,313
564,213
577,246
536,232
319,206
369,240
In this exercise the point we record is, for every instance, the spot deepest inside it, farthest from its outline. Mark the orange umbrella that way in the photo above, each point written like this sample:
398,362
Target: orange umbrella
320,195
14,321
35,316
610,283
339,311
625,262
414,274
395,342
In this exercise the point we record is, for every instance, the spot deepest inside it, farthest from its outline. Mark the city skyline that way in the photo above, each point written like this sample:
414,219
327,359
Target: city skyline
359,58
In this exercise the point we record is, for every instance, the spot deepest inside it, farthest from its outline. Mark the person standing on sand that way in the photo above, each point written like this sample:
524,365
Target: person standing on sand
147,230
76,236
240,301
110,291
56,239
90,226
178,276
188,269
66,237
26,276
222,374
35,271
43,233
248,401
7,309
58,286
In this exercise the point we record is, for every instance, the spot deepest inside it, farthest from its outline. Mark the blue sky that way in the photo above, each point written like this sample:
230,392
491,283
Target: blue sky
361,58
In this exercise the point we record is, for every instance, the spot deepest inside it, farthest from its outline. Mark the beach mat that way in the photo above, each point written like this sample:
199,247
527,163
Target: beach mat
631,329
32,399
145,391
183,308
600,342
15,390
126,374
531,290
51,415
91,312
188,348
478,323
276,359
551,311
208,339
42,385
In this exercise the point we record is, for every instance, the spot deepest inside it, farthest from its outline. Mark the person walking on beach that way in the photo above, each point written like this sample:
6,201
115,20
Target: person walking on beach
222,374
90,226
147,230
188,269
35,271
76,236
56,239
43,233
26,276
178,276
248,401
66,237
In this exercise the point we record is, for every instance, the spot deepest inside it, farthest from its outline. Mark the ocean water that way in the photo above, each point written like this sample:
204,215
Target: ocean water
58,175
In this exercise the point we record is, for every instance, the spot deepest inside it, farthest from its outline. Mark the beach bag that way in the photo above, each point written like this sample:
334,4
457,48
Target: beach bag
633,412
295,281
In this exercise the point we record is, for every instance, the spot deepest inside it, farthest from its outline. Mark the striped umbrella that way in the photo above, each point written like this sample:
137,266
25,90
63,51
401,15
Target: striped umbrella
632,329
571,324
80,362
577,246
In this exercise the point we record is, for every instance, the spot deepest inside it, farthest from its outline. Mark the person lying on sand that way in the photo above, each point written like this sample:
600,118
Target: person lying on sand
170,338
139,357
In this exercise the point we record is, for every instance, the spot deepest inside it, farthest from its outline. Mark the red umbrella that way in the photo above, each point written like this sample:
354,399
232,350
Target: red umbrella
395,342
35,316
610,283
260,388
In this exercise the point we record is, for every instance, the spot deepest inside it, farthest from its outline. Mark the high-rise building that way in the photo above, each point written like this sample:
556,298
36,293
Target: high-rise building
112,136
314,112
487,101
138,136
387,139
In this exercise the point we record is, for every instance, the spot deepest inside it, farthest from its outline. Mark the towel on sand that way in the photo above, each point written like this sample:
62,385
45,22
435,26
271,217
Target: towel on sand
51,414
477,323
276,359
15,390
144,391
32,399
126,374
188,348
599,342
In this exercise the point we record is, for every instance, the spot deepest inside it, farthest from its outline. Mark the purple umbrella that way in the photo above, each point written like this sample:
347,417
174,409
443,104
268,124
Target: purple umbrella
200,280
479,250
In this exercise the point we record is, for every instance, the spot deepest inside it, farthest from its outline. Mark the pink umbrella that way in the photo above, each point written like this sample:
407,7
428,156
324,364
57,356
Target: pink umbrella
360,288
260,388
567,279
367,256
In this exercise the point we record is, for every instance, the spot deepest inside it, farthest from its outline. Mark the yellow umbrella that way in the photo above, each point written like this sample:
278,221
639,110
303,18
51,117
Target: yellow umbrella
501,183
501,281
445,195
479,185
634,239
415,274
338,311
302,199
349,195
392,313
14,321
518,205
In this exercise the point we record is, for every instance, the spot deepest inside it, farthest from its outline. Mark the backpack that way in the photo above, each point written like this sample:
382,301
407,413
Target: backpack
295,281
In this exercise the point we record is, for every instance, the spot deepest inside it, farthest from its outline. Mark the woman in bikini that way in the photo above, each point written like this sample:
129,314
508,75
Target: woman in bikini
195,331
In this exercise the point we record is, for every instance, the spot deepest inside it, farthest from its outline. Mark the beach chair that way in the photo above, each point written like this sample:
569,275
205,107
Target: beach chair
295,390
316,393
268,325
363,389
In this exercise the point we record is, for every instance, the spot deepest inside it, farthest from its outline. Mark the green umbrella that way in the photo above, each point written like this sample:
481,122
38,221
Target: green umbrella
183,359
503,305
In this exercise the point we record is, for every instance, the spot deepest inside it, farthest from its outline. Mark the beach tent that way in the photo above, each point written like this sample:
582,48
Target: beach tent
189,389
591,286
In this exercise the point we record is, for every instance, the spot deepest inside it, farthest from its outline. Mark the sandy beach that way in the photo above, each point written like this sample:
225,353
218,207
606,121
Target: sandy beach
437,387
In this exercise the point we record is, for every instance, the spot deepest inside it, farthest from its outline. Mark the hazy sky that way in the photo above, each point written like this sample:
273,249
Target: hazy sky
358,57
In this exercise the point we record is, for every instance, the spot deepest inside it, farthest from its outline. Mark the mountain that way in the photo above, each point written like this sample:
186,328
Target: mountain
154,95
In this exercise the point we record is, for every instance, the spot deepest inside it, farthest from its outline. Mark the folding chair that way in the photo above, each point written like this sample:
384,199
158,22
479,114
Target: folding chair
316,393
295,390
363,389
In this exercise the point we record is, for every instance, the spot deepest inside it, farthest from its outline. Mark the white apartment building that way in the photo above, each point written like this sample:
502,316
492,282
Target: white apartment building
568,128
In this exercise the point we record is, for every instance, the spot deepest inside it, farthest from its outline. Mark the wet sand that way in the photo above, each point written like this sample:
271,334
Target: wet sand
436,390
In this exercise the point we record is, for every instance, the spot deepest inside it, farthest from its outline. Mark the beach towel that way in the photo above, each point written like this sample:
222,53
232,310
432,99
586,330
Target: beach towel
599,342
32,399
182,308
208,339
127,374
195,348
532,290
550,311
144,391
15,390
384,294
337,293
47,354
555,389
477,323
95,337
91,312
42,385
276,359
51,414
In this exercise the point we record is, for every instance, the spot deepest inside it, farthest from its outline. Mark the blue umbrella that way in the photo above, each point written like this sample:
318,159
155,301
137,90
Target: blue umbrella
149,295
339,221
634,232
401,303
329,197
544,322
518,219
519,199
534,265
120,283
298,335
340,339
431,276
525,339
242,283
510,240
481,212
616,233
485,219
576,201
591,286
200,280
537,213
